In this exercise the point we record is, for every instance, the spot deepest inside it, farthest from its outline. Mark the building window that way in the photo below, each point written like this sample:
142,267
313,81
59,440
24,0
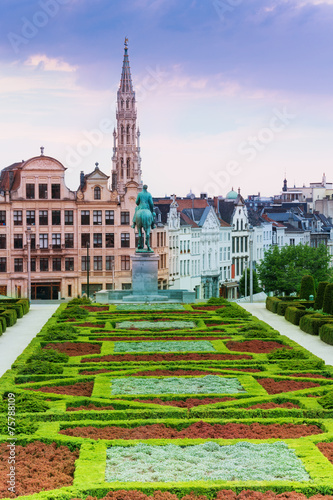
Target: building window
56,218
17,217
18,240
292,242
98,266
69,290
30,191
109,240
56,264
84,263
98,240
126,286
43,218
125,240
3,243
97,193
33,265
33,241
85,240
125,218
56,240
125,263
55,191
43,241
109,262
43,265
69,264
69,240
18,265
3,265
68,217
109,217
30,217
85,217
2,217
97,217
42,188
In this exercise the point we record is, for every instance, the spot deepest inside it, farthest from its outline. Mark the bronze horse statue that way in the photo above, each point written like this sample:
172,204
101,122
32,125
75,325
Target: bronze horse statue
144,218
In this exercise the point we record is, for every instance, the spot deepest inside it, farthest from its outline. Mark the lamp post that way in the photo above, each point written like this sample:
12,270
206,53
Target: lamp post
251,264
28,233
112,267
245,278
88,269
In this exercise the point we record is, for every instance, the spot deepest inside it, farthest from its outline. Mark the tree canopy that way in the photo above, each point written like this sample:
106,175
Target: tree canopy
282,269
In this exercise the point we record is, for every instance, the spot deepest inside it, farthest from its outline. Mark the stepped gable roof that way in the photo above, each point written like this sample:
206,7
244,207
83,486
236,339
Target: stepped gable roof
10,177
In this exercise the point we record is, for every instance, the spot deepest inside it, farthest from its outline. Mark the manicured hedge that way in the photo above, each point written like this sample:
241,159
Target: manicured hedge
326,333
311,323
294,314
320,295
307,287
10,315
328,299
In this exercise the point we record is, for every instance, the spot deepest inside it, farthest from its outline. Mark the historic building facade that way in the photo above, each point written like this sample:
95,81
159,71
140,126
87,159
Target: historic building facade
75,237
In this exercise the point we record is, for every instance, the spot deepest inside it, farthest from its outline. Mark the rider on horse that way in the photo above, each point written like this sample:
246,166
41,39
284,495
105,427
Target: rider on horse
144,200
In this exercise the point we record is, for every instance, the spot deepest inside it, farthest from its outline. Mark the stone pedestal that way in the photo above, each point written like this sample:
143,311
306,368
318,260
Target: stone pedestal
145,273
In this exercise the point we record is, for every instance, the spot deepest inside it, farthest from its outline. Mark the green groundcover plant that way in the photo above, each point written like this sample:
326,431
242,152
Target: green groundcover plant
210,384
167,346
209,461
155,325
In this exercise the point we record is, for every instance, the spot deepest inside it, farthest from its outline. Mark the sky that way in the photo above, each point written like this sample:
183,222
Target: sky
230,93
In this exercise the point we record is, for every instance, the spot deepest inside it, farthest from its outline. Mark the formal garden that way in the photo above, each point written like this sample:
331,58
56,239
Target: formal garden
165,402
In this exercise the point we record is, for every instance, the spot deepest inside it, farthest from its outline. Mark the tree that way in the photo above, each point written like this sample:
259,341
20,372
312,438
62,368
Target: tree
320,295
256,287
307,287
282,269
328,299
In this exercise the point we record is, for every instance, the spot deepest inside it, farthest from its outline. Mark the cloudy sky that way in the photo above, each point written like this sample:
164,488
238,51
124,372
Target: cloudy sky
231,93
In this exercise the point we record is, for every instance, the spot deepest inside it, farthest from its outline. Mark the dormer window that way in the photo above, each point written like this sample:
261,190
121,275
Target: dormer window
97,193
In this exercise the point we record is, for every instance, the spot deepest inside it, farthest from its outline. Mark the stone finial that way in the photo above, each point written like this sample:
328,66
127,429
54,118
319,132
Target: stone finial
42,151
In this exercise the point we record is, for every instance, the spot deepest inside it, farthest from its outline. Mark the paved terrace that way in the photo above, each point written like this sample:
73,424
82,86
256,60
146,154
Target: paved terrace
311,342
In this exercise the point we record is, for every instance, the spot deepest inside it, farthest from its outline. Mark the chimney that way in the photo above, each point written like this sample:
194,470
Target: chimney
81,179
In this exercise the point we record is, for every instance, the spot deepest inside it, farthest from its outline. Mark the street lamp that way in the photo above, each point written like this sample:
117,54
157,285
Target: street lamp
28,234
88,269
251,263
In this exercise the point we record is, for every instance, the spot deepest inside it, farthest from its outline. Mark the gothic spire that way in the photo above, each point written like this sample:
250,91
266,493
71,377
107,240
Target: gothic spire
126,78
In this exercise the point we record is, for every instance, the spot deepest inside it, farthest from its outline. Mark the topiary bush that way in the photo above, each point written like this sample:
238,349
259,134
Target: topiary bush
327,401
29,402
74,312
294,314
272,304
41,367
320,295
82,300
307,287
50,355
217,301
233,311
284,353
328,299
311,323
326,333
61,332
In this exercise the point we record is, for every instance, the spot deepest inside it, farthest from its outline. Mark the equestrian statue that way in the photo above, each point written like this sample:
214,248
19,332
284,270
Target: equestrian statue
144,218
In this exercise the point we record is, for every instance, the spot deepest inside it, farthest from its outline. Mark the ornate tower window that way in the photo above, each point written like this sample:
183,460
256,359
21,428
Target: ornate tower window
128,168
97,193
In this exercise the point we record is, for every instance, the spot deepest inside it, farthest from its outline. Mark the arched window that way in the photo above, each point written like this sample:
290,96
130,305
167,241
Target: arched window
122,168
128,139
128,168
97,193
122,134
122,104
127,104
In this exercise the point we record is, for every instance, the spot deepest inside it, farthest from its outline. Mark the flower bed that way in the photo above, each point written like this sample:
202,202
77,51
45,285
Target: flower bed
241,462
269,406
211,384
155,325
198,430
75,348
149,307
180,373
166,357
95,308
38,467
161,339
89,407
276,386
256,346
167,346
79,389
327,450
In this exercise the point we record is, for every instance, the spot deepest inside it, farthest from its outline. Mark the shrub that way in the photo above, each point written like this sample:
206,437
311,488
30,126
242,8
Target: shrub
261,334
10,315
50,355
3,323
326,333
82,300
40,367
75,312
272,304
217,301
294,314
320,295
307,287
310,323
284,353
30,402
328,299
233,311
61,332
327,401
254,326
22,425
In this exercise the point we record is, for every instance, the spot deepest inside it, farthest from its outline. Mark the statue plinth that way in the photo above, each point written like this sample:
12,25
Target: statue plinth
145,273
